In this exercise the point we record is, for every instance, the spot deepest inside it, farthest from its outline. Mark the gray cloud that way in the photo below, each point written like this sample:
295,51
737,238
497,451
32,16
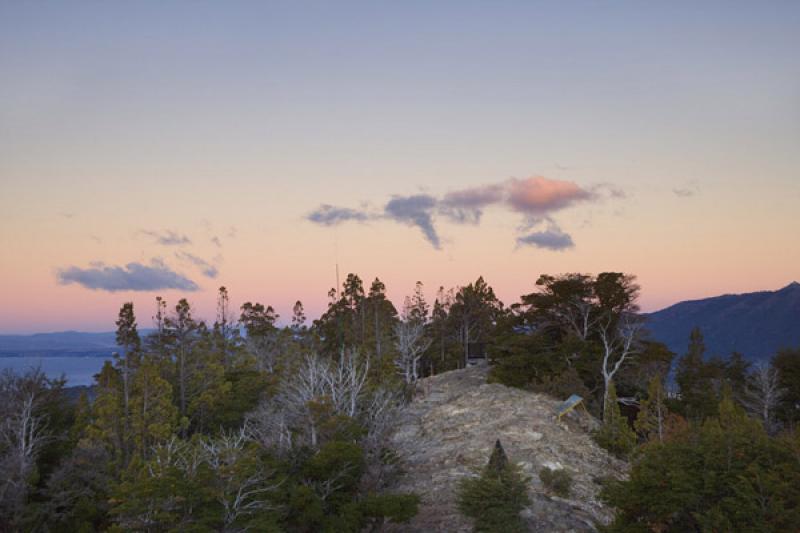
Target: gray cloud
131,277
416,211
466,205
168,238
687,190
215,240
550,239
208,270
329,215
608,189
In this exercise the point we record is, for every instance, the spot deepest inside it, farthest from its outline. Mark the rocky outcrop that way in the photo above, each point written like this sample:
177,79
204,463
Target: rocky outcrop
449,429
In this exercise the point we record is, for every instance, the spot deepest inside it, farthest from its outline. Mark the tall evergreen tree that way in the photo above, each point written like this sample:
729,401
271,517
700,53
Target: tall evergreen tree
127,362
697,397
473,313
154,417
652,417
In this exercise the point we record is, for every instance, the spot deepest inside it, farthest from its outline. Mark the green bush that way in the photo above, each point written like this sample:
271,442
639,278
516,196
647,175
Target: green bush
559,481
615,435
495,499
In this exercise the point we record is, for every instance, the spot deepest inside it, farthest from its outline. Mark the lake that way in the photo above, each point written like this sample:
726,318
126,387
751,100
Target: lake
77,370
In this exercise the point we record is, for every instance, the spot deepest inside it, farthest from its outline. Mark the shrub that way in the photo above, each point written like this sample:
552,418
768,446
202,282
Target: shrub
558,481
495,499
615,435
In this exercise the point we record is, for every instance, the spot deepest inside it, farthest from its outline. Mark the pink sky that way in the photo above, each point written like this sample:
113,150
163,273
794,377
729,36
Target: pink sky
257,147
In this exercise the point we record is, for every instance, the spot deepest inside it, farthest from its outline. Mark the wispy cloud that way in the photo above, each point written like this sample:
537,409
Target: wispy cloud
416,211
131,277
553,238
208,270
168,238
329,215
467,205
683,193
687,190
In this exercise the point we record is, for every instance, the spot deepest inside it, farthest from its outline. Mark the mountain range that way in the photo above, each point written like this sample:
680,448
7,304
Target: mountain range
63,344
755,324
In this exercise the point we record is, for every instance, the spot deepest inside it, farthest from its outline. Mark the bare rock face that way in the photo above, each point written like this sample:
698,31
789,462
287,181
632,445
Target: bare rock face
448,433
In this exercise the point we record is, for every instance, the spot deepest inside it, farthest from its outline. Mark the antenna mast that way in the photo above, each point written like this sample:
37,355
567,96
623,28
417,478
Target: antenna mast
336,257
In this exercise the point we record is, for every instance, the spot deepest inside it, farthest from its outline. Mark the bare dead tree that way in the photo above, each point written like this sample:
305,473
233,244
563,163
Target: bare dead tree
345,382
763,393
580,315
266,349
379,417
269,426
619,336
411,345
242,484
23,433
290,419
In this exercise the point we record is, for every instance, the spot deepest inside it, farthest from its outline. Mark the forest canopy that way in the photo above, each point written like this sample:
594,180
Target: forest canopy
245,424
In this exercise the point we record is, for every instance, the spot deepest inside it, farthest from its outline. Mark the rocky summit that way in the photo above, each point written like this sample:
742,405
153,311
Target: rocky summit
447,433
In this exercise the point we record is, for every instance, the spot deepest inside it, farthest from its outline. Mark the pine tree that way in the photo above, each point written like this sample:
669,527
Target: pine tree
651,420
693,376
127,362
495,499
154,416
383,317
298,318
106,426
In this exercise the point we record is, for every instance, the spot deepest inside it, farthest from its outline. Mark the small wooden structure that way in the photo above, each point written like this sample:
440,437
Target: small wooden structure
568,405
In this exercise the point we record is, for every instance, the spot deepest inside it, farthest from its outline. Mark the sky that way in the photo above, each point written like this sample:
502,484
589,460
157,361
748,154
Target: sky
151,148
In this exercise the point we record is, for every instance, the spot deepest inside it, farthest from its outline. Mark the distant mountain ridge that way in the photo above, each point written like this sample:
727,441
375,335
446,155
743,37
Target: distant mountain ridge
755,324
63,343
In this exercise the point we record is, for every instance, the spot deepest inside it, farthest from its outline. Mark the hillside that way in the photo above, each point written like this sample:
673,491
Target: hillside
755,324
449,430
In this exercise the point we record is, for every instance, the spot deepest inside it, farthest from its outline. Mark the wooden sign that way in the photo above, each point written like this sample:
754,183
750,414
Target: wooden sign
571,403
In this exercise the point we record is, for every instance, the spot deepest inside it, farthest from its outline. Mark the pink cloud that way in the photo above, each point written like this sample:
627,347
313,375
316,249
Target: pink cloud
538,195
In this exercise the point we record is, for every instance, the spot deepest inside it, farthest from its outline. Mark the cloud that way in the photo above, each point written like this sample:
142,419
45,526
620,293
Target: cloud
208,270
416,211
329,215
215,240
466,205
550,239
131,277
683,193
168,238
538,196
687,190
608,189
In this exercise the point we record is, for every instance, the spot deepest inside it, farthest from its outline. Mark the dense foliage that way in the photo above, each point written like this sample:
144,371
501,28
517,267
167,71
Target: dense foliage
724,474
